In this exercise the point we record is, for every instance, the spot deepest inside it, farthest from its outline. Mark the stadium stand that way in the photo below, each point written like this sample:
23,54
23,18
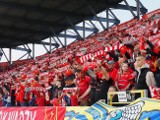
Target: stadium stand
83,66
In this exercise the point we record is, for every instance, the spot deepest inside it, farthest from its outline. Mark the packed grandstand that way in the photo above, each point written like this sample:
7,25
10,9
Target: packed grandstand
125,57
83,72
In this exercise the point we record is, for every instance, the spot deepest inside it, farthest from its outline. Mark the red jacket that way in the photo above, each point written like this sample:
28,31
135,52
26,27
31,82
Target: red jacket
123,80
113,74
83,85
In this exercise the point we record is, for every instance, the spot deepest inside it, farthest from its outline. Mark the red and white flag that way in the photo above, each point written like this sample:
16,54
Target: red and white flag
155,92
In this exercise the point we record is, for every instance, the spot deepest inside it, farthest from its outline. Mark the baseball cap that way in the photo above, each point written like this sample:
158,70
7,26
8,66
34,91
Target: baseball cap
111,62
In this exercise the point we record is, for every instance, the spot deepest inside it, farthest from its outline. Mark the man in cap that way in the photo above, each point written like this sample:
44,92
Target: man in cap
70,91
112,71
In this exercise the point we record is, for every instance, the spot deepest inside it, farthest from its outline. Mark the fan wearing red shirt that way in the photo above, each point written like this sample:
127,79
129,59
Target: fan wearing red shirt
84,87
20,94
124,78
112,71
40,99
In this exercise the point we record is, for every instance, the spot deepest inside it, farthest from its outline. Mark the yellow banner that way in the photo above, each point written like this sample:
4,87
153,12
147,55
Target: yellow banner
141,109
71,112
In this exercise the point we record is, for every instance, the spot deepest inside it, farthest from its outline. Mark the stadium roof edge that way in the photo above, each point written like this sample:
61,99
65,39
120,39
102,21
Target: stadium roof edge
24,21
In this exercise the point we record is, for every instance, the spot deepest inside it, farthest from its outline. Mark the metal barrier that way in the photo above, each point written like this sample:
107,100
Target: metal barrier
125,97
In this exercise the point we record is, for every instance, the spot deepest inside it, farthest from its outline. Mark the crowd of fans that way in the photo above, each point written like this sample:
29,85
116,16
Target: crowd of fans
125,57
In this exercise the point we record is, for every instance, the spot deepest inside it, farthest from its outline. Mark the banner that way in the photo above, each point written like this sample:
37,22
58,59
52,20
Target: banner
121,98
71,112
99,53
141,109
32,113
